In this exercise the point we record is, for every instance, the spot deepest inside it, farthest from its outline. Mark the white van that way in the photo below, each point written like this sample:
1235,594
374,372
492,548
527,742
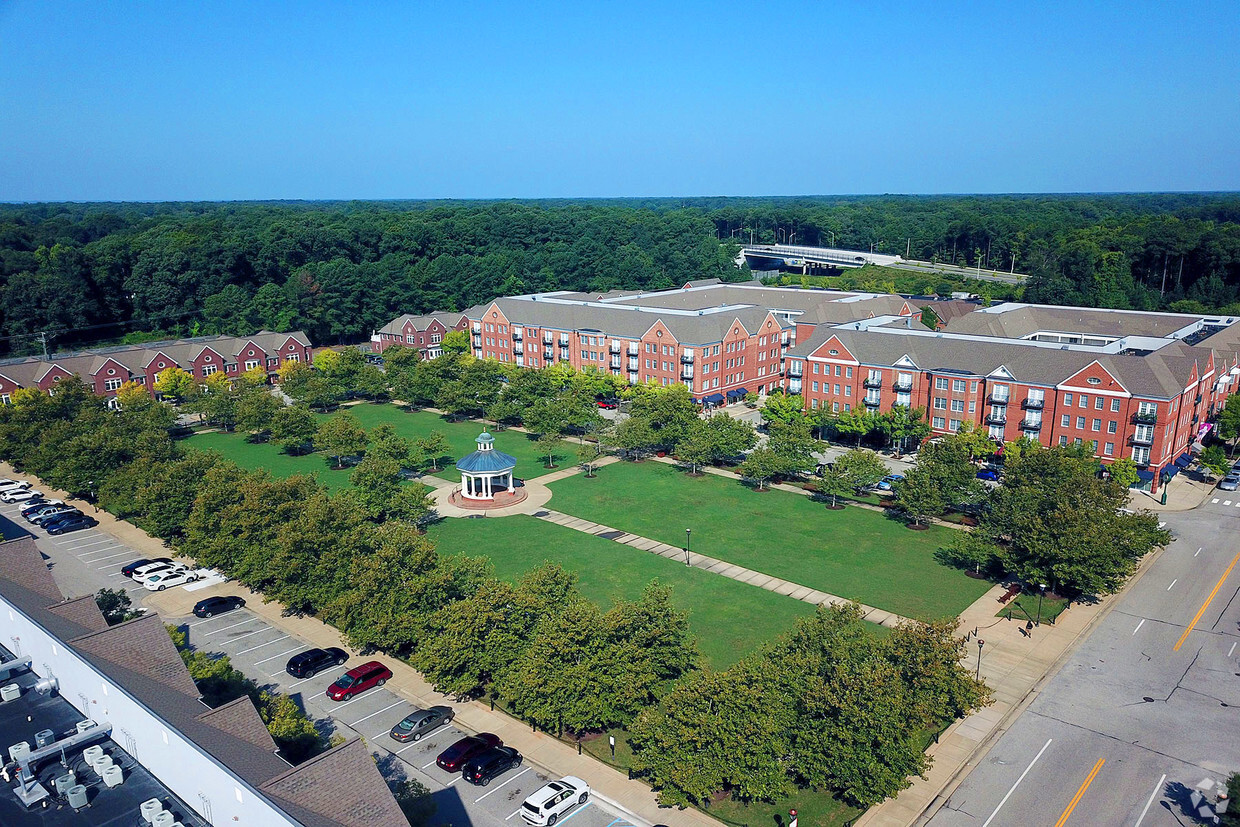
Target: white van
545,805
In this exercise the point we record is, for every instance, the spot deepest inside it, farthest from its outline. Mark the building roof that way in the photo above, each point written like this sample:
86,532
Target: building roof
338,787
239,717
141,645
83,611
397,325
1016,321
22,563
489,461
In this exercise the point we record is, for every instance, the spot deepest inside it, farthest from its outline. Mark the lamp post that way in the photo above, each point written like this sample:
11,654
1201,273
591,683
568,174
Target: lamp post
980,644
1041,594
688,531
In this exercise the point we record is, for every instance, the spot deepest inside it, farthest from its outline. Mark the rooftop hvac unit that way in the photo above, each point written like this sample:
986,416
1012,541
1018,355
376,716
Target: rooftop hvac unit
83,726
77,797
64,783
150,808
44,737
47,686
113,776
92,754
19,751
10,692
163,819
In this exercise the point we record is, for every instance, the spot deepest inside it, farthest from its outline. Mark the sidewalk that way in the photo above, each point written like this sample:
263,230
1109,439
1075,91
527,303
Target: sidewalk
723,568
1183,494
1013,666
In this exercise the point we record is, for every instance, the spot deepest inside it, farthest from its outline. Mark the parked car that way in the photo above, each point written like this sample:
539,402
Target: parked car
130,568
144,573
7,483
18,495
165,579
1230,482
553,799
419,723
309,663
886,482
494,762
609,404
358,679
55,515
32,510
77,522
217,605
988,475
457,755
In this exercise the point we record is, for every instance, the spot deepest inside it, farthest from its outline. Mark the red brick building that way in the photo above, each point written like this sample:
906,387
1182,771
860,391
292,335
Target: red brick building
422,332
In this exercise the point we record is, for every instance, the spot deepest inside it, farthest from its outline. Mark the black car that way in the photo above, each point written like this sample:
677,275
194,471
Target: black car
494,762
48,517
217,605
77,522
309,663
128,570
419,723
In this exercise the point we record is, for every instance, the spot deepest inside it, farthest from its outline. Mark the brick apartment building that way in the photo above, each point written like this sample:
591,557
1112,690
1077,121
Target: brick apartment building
104,370
422,332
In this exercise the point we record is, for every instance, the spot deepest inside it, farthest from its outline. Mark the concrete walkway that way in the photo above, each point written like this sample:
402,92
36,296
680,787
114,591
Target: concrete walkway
1013,666
754,578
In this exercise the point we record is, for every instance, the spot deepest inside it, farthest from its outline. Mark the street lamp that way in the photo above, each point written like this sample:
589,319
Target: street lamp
980,644
688,531
1041,594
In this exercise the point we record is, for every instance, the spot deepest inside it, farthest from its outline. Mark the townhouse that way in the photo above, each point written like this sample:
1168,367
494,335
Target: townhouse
425,333
104,370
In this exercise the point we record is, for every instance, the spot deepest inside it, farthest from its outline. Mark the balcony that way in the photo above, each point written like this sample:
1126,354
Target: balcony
614,346
872,403
872,382
794,386
548,338
1145,417
998,399
632,364
548,355
902,385
686,358
633,348
1198,400
564,355
615,362
516,335
996,419
517,348
1030,425
686,372
1142,439
1031,404
794,369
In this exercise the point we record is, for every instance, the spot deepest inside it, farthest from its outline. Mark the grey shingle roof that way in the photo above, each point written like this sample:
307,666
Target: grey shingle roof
141,645
22,563
397,325
342,786
83,611
239,717
1023,320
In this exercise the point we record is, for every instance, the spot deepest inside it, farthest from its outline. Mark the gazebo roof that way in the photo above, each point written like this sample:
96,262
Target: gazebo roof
487,462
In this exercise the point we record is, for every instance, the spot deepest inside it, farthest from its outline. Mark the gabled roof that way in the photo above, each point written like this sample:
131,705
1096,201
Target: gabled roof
83,611
239,717
141,645
341,787
397,325
22,563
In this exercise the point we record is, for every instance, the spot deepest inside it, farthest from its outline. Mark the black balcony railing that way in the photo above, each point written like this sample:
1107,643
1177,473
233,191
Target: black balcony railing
996,399
872,382
902,387
996,419
1138,439
1145,418
1032,404
872,403
1030,425
686,359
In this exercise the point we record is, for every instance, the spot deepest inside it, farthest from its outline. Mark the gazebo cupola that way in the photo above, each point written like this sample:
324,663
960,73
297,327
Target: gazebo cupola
486,471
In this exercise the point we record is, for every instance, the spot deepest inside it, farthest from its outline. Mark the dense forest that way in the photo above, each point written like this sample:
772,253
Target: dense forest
85,273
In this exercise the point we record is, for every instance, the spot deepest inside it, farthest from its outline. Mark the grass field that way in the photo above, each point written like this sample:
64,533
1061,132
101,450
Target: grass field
409,424
729,618
1025,607
853,552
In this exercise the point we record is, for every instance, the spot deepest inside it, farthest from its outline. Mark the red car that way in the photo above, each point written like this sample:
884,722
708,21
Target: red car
358,680
455,756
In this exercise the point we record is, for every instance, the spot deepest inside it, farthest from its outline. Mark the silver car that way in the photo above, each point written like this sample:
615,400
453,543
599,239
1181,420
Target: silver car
1230,482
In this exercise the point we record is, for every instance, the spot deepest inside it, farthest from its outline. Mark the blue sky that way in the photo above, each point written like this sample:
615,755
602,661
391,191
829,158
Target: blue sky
245,100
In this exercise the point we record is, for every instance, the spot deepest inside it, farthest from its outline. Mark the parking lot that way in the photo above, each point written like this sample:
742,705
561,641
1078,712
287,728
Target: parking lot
89,560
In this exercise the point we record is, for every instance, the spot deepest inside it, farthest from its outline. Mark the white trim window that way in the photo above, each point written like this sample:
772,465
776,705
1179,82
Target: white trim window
250,364
112,384
207,370
1141,455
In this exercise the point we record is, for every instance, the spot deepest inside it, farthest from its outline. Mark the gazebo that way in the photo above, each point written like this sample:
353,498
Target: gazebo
486,472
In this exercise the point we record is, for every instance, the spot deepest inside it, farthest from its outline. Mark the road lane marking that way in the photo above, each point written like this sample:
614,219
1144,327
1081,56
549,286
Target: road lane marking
1139,625
1226,502
1206,605
1076,799
1150,803
1198,552
1173,582
373,714
986,823
501,786
1213,501
273,657
261,645
1232,649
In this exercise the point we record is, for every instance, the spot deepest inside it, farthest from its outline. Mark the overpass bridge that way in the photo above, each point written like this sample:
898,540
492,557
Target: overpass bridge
777,256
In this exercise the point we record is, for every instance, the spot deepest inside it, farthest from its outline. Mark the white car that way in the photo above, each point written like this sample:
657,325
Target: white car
17,495
14,486
150,569
555,798
6,483
161,581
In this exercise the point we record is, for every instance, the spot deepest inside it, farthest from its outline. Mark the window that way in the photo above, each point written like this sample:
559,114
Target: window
436,338
848,372
1098,403
1115,405
111,384
250,364
4,399
939,423
940,383
1063,440
1097,425
848,390
904,399
957,386
972,387
1109,448
410,338
972,406
837,370
1067,399
813,403
1141,456
1083,401
836,390
1080,422
815,367
1147,409
940,403
815,387
1000,393
1076,441
1112,426
1067,421
958,406
1036,395
955,423
1094,443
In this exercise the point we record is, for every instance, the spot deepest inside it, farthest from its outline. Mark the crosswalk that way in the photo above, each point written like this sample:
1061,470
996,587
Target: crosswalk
1215,501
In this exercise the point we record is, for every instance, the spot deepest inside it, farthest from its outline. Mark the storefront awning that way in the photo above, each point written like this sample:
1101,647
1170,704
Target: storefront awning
713,399
732,394
1184,459
1170,471
1145,476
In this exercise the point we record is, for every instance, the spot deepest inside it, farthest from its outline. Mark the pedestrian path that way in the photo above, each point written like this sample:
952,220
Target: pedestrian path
754,578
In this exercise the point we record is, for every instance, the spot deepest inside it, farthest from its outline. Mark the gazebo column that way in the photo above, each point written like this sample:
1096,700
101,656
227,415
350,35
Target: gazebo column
511,488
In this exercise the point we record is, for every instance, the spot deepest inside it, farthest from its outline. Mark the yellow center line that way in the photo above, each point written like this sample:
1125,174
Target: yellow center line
1077,798
1205,605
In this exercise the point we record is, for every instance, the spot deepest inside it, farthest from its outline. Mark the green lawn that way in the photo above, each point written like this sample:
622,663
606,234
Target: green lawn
460,435
411,425
729,618
855,553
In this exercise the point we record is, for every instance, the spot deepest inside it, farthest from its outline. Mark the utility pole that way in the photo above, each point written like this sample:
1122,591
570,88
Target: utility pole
1162,291
42,337
908,245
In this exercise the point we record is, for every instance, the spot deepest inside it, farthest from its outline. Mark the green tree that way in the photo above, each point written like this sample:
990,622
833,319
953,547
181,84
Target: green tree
414,798
1124,472
434,447
793,442
1214,459
855,423
455,341
175,383
588,456
783,408
115,606
294,427
341,435
548,443
257,409
853,471
761,465
920,497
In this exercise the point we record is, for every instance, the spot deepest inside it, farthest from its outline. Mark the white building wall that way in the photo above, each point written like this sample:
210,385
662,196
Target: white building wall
179,764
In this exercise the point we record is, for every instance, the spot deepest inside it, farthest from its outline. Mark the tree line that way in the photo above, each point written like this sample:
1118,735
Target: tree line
92,272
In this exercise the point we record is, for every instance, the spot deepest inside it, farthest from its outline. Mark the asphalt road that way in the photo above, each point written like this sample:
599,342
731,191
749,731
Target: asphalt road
84,562
1145,710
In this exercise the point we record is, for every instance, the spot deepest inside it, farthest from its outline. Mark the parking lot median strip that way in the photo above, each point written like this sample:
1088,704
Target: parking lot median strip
501,786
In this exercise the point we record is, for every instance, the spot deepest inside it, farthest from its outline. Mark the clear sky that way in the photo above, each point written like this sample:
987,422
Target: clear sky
255,100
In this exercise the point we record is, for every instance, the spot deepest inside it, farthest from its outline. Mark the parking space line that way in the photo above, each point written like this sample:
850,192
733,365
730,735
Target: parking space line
300,682
408,746
273,657
209,620
81,542
261,645
501,786
247,634
353,700
513,813
117,574
373,714
1232,649
424,766
580,809
109,565
226,628
109,548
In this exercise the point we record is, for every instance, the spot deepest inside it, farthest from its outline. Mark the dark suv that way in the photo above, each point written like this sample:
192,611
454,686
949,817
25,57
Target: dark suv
494,762
217,606
309,663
